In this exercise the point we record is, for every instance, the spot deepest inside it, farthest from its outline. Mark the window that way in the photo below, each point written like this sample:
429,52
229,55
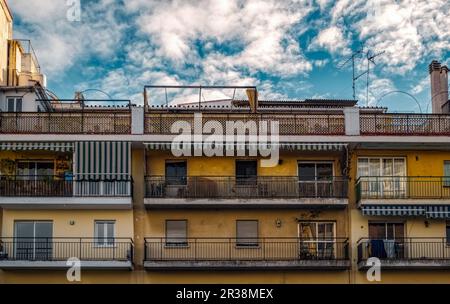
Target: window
176,172
14,104
382,177
386,240
176,233
315,179
104,233
246,172
33,240
247,233
317,239
447,233
447,173
34,170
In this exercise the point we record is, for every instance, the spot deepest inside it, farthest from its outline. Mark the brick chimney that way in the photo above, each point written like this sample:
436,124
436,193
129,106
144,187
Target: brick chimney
439,87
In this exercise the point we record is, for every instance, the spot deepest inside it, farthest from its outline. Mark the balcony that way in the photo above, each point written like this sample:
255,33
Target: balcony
406,253
53,253
73,122
244,192
55,192
289,124
249,254
405,124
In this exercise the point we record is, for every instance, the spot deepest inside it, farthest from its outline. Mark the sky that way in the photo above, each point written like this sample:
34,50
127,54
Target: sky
292,49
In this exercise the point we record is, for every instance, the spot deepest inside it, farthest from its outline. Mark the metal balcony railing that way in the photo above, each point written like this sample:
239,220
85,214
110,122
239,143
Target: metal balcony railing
405,124
249,249
73,122
289,124
244,187
403,187
56,186
404,249
61,249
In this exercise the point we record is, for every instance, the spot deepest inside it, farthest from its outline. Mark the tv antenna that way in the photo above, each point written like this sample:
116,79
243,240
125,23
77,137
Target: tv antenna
370,57
352,58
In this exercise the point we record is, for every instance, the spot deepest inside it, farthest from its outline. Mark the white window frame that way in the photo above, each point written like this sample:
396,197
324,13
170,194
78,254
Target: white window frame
315,240
15,99
104,242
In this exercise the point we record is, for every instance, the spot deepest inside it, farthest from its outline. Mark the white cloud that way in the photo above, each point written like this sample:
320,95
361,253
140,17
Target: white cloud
332,39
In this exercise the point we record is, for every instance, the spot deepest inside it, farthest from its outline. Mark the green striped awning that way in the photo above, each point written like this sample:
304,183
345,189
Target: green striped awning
428,211
286,146
102,160
29,146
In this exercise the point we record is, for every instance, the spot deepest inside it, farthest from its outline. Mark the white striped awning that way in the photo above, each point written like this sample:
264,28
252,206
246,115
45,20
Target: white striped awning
29,146
393,210
284,146
104,160
428,211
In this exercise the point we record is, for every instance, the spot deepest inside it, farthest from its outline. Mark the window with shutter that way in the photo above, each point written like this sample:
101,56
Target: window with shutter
447,173
176,233
247,233
104,233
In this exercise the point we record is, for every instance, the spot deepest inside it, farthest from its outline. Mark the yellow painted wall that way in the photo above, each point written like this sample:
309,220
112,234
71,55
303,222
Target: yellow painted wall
225,166
5,35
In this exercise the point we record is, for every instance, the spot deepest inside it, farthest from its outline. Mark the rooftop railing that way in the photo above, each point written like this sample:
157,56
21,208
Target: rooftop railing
244,187
289,124
405,124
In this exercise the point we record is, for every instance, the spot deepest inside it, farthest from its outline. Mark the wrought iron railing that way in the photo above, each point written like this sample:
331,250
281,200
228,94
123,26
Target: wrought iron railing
403,187
73,122
244,187
289,124
404,124
253,249
56,186
61,249
404,249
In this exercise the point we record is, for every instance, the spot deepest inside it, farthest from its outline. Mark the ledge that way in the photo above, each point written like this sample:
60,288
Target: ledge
61,265
430,264
238,203
102,203
404,201
248,265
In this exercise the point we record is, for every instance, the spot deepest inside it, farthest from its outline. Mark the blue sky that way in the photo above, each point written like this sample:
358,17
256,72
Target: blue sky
289,49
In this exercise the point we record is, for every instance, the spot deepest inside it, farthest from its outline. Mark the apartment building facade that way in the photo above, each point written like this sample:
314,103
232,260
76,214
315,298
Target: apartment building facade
102,184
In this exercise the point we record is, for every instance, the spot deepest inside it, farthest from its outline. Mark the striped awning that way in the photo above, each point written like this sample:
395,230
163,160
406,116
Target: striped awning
102,160
285,146
429,211
442,212
29,146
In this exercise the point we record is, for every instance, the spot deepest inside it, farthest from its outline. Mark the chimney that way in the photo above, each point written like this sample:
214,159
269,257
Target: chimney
439,87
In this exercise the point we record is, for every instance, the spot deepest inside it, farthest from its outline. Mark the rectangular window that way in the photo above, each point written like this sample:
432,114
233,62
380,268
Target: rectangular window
33,240
176,233
387,240
383,177
246,172
35,170
104,233
176,172
317,240
447,173
315,179
247,233
14,104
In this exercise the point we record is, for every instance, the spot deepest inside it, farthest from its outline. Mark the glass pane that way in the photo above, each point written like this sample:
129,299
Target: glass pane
399,167
377,231
246,172
11,105
44,169
19,105
43,240
24,242
308,231
324,171
307,172
176,173
374,167
110,233
363,167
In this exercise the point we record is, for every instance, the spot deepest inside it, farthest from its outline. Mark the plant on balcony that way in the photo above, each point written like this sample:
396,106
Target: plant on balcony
7,167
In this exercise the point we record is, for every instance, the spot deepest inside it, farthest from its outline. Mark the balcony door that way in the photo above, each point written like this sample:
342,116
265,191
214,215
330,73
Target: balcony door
317,240
35,170
387,240
33,240
384,177
315,179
